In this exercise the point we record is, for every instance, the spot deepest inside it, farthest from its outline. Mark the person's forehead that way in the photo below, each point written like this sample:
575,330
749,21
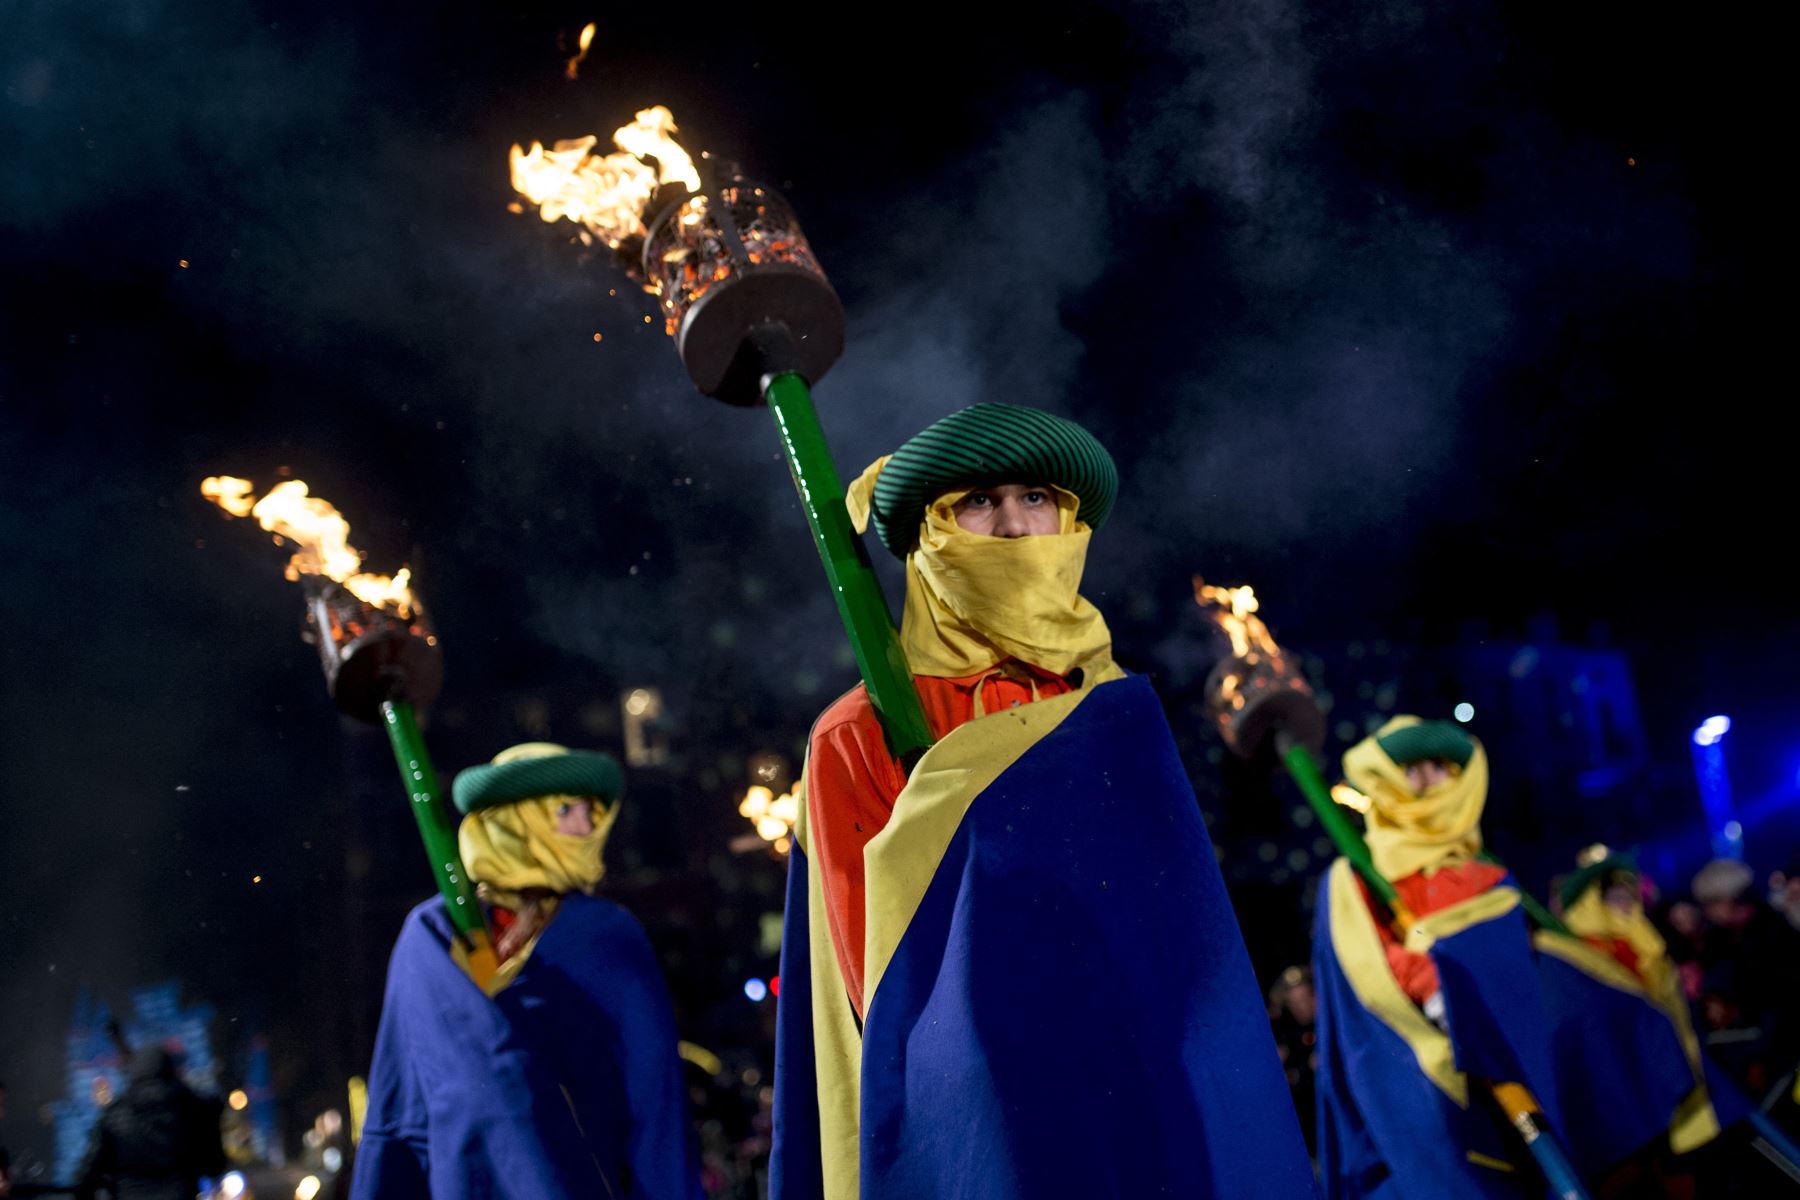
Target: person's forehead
994,485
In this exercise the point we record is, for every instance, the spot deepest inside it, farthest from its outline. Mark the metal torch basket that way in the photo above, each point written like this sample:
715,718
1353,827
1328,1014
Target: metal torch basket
372,655
1253,696
741,292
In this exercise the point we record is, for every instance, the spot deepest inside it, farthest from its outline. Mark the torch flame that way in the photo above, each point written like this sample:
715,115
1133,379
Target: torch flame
774,816
321,537
605,194
1235,611
573,68
230,493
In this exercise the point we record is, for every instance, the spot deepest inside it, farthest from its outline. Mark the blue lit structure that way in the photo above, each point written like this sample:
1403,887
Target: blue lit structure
95,1067
1715,787
1562,724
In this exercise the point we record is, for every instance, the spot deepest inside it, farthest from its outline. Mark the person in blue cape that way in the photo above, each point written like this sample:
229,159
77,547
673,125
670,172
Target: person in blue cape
1010,969
1427,1013
562,1081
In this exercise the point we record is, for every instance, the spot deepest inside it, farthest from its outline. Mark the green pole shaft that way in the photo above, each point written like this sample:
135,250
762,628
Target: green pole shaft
1534,908
1345,836
1350,844
873,639
435,829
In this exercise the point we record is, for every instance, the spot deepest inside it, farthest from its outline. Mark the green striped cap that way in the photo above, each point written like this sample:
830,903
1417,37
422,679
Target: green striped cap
985,444
576,773
1428,739
1580,880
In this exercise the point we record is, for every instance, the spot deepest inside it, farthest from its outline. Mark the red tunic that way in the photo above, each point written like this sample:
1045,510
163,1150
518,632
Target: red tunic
1423,894
852,782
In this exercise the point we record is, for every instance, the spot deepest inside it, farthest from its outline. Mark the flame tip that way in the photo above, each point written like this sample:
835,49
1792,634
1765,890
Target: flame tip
321,537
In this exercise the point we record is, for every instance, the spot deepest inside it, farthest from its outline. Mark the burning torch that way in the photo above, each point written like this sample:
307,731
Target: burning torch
1256,693
381,664
755,322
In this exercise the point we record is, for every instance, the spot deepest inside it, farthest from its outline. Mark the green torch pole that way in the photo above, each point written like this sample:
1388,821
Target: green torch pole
421,782
873,639
1520,1107
1305,771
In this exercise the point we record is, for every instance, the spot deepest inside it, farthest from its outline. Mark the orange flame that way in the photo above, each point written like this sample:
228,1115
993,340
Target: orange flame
605,194
774,816
573,67
321,537
1235,611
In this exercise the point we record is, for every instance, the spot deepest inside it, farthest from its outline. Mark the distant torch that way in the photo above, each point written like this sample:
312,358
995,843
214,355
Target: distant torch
381,664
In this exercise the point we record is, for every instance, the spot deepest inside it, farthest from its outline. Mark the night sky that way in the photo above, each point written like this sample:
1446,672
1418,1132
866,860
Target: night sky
1422,320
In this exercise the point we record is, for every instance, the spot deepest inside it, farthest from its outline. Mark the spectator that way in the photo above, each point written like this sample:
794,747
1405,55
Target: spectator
1293,1011
156,1140
1750,976
1784,892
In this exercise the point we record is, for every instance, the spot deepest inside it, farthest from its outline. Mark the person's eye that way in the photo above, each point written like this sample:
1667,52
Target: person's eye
1036,496
564,809
978,500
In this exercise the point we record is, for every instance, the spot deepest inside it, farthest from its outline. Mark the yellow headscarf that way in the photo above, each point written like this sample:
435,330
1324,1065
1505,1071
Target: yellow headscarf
513,847
972,602
1408,832
1591,916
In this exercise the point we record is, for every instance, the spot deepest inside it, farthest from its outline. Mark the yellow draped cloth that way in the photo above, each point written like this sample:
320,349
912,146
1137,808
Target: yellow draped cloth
512,849
1408,832
972,602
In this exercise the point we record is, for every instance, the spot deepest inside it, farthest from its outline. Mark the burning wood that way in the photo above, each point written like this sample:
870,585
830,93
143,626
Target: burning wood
1256,690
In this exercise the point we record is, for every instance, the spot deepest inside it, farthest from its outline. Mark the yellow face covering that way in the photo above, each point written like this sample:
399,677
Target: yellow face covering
1592,916
1408,832
513,847
972,602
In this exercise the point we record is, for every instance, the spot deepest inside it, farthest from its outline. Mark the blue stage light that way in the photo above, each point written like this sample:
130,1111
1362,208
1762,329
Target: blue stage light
1712,731
1715,787
756,990
1465,712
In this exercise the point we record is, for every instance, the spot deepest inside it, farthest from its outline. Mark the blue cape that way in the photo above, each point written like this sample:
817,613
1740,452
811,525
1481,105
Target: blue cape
1059,1000
1402,1106
564,1085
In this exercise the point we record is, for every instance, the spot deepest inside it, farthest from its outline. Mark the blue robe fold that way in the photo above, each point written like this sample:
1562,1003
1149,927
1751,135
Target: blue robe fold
1386,1131
1070,1010
564,1085
1604,1063
1606,1066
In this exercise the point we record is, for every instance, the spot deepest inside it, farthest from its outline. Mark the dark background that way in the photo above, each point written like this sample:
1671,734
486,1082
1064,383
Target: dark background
1446,329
